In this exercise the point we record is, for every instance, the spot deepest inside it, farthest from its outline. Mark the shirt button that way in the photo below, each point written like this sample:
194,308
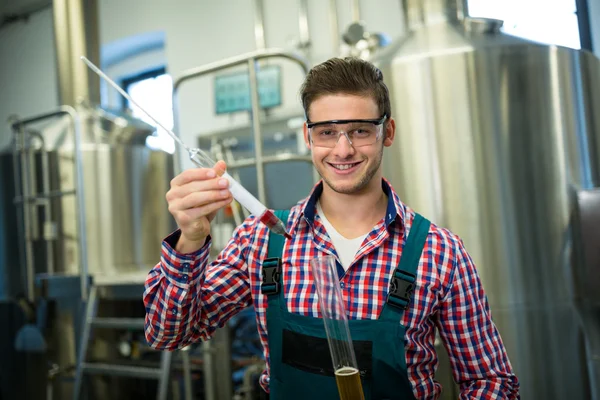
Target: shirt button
186,267
184,278
174,311
342,285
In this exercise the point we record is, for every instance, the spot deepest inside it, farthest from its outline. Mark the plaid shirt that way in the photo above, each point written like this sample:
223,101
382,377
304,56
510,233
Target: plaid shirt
187,297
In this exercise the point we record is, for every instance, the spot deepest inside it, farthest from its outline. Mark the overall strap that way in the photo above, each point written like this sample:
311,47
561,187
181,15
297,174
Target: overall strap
402,283
271,267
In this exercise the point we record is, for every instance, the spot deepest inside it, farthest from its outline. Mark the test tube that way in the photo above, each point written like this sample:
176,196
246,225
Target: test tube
336,327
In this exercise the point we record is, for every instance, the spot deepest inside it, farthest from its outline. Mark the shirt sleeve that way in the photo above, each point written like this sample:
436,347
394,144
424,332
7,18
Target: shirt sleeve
478,357
187,298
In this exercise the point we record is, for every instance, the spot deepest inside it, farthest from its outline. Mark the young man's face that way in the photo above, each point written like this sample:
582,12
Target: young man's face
346,168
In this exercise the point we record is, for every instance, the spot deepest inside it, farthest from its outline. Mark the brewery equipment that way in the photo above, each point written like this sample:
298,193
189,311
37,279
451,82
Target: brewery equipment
124,219
84,207
495,137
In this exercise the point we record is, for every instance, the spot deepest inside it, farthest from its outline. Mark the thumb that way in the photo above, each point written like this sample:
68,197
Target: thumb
220,167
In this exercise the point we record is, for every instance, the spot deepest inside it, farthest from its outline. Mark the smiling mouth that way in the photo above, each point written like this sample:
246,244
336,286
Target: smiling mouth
344,167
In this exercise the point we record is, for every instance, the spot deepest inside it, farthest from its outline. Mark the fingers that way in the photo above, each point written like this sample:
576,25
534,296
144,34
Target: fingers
214,184
197,199
220,167
190,216
198,174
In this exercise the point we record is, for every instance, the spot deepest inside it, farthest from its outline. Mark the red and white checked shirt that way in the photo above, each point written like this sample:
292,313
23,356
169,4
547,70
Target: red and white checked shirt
187,297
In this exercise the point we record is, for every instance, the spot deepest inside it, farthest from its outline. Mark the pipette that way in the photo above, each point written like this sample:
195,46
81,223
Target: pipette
201,159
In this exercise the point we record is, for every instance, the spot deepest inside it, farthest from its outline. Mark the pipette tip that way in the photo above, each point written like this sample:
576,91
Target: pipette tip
273,223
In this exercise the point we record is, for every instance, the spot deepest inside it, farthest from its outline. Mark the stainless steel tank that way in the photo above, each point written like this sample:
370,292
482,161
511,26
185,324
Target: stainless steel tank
495,137
123,186
65,213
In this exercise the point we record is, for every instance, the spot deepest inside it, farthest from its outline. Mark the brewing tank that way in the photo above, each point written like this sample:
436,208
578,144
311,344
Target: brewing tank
124,182
495,136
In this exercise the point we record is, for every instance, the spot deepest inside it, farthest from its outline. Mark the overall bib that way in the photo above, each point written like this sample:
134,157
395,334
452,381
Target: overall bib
301,366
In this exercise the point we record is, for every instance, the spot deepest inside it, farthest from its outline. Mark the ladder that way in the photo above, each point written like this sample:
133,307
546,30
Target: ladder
116,291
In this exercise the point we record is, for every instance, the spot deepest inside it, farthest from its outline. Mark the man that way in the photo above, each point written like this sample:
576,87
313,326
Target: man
401,277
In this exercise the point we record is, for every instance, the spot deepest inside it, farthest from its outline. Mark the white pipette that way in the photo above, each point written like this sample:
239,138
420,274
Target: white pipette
201,159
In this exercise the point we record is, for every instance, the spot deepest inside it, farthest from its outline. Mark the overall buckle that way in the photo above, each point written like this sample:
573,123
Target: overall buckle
402,286
271,271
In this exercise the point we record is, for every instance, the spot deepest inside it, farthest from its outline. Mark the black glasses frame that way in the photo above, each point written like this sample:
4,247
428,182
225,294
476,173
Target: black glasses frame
378,121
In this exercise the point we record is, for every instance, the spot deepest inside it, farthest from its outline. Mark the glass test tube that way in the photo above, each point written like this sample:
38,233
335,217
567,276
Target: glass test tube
336,327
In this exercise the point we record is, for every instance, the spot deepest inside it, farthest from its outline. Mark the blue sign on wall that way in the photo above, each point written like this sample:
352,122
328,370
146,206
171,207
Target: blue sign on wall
232,91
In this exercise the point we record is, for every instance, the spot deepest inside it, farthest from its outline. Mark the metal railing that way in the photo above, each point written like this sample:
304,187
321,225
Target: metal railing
250,59
28,197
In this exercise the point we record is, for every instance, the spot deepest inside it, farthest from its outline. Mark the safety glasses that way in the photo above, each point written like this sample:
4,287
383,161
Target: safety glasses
359,132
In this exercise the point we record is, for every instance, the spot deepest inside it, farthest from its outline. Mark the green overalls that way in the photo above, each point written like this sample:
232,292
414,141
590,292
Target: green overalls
301,366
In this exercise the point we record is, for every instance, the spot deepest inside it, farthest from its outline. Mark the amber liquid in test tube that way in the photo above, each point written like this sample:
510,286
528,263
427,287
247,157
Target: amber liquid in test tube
335,319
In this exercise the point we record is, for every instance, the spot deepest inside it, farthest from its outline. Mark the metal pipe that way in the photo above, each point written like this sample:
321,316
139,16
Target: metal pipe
333,22
41,117
210,389
187,373
177,158
355,10
455,10
32,181
405,16
239,60
32,226
258,144
80,202
47,195
47,204
22,188
165,368
259,25
20,216
89,313
414,14
462,9
76,33
303,24
60,11
48,235
584,22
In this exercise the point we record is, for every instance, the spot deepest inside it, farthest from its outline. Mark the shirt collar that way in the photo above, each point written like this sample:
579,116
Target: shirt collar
395,208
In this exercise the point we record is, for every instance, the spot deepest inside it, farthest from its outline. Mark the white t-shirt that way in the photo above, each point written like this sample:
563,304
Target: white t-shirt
345,248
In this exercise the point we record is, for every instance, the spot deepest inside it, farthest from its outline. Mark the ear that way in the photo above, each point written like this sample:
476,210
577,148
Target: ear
390,132
306,139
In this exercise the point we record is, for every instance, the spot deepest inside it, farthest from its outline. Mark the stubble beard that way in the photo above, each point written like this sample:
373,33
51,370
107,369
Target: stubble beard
363,181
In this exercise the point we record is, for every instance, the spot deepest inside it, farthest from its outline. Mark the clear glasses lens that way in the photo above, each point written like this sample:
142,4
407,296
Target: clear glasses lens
360,134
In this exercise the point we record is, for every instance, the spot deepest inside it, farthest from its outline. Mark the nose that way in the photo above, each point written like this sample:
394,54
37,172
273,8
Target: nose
343,148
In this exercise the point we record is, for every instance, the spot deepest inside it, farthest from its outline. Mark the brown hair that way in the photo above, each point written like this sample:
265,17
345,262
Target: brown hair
349,76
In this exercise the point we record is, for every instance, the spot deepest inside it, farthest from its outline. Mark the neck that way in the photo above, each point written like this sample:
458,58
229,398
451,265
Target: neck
353,215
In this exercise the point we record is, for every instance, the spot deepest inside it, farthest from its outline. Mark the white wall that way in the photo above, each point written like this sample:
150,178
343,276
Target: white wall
28,78
196,32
